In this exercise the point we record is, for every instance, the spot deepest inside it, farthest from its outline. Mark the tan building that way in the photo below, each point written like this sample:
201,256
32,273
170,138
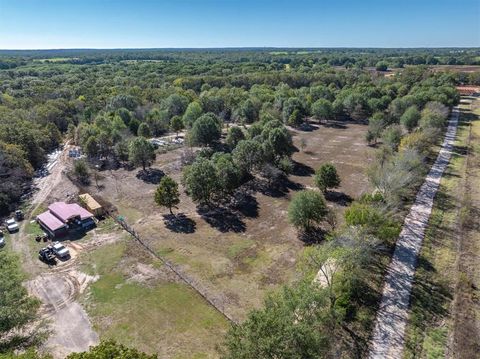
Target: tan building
90,204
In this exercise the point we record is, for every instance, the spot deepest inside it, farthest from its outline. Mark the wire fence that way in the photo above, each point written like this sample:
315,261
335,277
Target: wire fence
216,302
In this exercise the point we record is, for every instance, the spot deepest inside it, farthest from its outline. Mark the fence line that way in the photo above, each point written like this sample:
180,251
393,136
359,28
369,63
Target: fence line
192,283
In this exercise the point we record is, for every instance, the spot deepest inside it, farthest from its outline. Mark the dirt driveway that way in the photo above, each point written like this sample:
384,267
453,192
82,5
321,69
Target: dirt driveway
57,288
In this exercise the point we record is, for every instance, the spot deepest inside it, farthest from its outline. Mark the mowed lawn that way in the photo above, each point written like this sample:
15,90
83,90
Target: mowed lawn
136,302
241,254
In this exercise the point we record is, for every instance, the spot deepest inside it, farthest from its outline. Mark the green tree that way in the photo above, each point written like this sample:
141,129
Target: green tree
322,109
176,124
17,308
158,121
141,152
228,174
296,118
201,180
110,350
280,142
294,323
121,150
144,130
192,113
248,112
293,111
205,130
92,148
248,155
80,169
175,105
410,118
339,264
307,209
392,136
381,66
234,136
375,127
167,194
327,177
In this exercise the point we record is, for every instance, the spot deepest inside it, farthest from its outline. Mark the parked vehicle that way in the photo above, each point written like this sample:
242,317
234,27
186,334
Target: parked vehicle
47,255
19,215
12,225
2,240
60,250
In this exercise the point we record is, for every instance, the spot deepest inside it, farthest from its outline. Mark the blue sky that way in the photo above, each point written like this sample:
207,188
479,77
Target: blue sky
37,24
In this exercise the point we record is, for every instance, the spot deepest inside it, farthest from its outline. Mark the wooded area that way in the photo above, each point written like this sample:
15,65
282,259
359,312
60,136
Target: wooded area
238,108
103,98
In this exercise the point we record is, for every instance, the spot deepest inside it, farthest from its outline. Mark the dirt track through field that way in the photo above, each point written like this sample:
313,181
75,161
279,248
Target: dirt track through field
388,335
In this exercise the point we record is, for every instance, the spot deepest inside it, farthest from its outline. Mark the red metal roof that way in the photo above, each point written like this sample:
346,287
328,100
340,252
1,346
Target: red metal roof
66,211
49,220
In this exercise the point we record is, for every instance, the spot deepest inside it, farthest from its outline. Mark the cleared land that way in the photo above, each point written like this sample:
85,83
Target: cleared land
113,286
239,254
444,319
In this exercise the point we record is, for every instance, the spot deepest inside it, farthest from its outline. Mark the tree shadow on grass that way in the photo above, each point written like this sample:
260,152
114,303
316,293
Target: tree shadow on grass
312,236
302,170
331,124
246,204
429,295
340,198
151,175
275,188
222,218
179,223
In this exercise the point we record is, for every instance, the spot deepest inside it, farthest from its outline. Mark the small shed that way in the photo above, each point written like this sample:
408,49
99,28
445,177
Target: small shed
90,204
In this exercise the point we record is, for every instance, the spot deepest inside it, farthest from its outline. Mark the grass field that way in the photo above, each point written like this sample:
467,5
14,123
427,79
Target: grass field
241,254
136,303
429,333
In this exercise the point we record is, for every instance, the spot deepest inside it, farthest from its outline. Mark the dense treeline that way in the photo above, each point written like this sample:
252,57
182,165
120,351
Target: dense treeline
331,56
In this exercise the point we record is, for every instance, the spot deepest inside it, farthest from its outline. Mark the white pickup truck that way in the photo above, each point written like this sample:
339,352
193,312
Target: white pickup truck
60,250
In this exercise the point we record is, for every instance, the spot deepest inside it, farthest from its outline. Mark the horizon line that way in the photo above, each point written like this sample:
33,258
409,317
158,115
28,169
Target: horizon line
239,48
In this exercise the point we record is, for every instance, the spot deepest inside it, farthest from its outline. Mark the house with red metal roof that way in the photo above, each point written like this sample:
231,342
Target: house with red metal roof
52,225
62,217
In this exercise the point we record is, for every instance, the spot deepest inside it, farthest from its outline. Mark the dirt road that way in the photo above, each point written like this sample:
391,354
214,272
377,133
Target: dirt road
389,331
57,288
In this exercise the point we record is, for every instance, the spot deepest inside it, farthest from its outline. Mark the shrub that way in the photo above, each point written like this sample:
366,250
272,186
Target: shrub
410,118
327,177
392,136
418,141
359,214
80,169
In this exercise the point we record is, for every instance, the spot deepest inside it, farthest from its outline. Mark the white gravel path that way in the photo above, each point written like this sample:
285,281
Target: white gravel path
388,335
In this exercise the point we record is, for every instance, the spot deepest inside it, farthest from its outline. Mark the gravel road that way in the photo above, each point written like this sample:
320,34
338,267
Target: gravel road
389,331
